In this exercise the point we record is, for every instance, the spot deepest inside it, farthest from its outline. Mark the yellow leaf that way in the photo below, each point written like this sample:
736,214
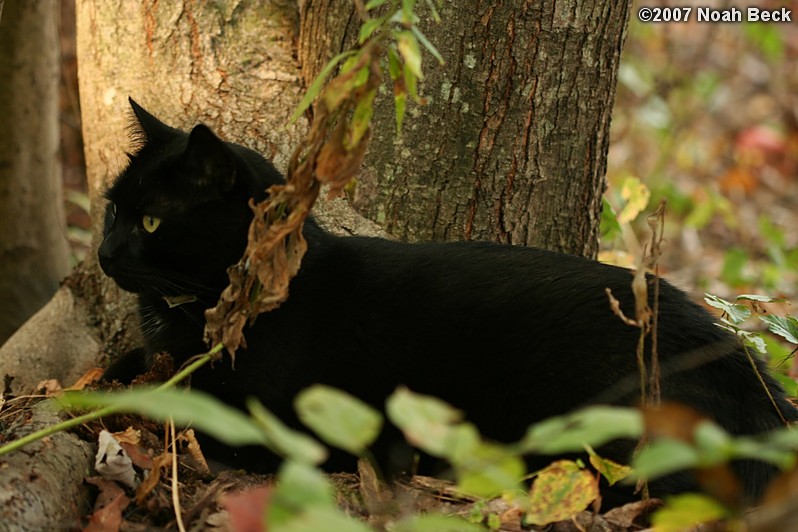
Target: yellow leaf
683,512
636,195
559,492
610,470
408,48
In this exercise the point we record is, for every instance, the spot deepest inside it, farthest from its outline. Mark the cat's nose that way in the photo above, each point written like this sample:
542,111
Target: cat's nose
105,252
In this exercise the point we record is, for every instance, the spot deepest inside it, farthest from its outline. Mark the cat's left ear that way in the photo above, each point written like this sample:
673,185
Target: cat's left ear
148,128
211,159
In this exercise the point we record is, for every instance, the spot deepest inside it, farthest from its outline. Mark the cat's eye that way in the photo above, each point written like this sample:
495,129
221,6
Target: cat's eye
150,223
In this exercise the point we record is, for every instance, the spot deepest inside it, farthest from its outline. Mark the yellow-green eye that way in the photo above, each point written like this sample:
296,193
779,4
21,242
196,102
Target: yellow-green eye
150,223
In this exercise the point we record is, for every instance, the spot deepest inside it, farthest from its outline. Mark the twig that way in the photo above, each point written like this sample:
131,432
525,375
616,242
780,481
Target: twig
175,484
656,223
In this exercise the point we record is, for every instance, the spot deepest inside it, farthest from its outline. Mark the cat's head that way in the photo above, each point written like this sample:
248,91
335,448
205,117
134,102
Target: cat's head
177,215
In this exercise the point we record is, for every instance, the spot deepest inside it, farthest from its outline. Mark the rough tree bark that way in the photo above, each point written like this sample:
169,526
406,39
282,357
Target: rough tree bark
33,250
512,145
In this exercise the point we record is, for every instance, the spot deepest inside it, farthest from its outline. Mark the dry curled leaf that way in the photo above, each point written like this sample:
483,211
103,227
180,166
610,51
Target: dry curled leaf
275,247
193,447
49,387
148,484
91,376
109,517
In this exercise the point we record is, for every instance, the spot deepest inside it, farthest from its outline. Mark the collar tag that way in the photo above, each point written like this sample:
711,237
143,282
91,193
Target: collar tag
176,301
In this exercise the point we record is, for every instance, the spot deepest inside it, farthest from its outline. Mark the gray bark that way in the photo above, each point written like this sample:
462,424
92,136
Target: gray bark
42,488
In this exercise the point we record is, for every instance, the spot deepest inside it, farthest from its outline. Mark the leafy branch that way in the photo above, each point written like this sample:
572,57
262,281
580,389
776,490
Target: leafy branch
330,155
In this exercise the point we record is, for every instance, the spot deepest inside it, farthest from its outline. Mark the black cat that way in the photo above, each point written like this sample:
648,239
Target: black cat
510,335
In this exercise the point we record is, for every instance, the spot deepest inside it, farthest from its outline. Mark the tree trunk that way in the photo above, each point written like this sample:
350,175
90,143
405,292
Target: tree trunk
512,146
33,248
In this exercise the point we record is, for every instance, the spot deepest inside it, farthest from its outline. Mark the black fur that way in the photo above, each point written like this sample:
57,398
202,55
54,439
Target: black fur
510,335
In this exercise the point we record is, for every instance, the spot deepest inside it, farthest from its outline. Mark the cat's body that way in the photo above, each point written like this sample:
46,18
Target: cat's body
510,335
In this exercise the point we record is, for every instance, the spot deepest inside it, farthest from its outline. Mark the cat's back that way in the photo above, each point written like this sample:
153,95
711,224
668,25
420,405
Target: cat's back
476,276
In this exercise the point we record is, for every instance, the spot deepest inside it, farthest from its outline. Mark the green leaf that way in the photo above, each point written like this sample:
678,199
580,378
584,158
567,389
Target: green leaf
186,407
610,228
736,313
425,421
408,49
786,327
338,418
663,457
754,340
714,444
284,441
610,470
343,86
594,426
318,83
323,519
394,64
778,448
368,28
305,500
411,82
489,470
361,119
299,487
400,103
428,45
683,512
407,11
760,299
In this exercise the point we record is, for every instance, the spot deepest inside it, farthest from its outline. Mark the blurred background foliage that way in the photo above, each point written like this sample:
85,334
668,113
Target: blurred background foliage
706,117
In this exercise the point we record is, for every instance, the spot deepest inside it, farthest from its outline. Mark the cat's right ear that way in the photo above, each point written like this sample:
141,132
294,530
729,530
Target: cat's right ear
149,127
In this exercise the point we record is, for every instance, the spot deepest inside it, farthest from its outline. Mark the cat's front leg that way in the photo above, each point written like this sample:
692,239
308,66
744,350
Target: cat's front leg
125,368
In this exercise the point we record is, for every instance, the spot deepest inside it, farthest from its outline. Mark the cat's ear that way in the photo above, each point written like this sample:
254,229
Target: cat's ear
149,128
211,159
